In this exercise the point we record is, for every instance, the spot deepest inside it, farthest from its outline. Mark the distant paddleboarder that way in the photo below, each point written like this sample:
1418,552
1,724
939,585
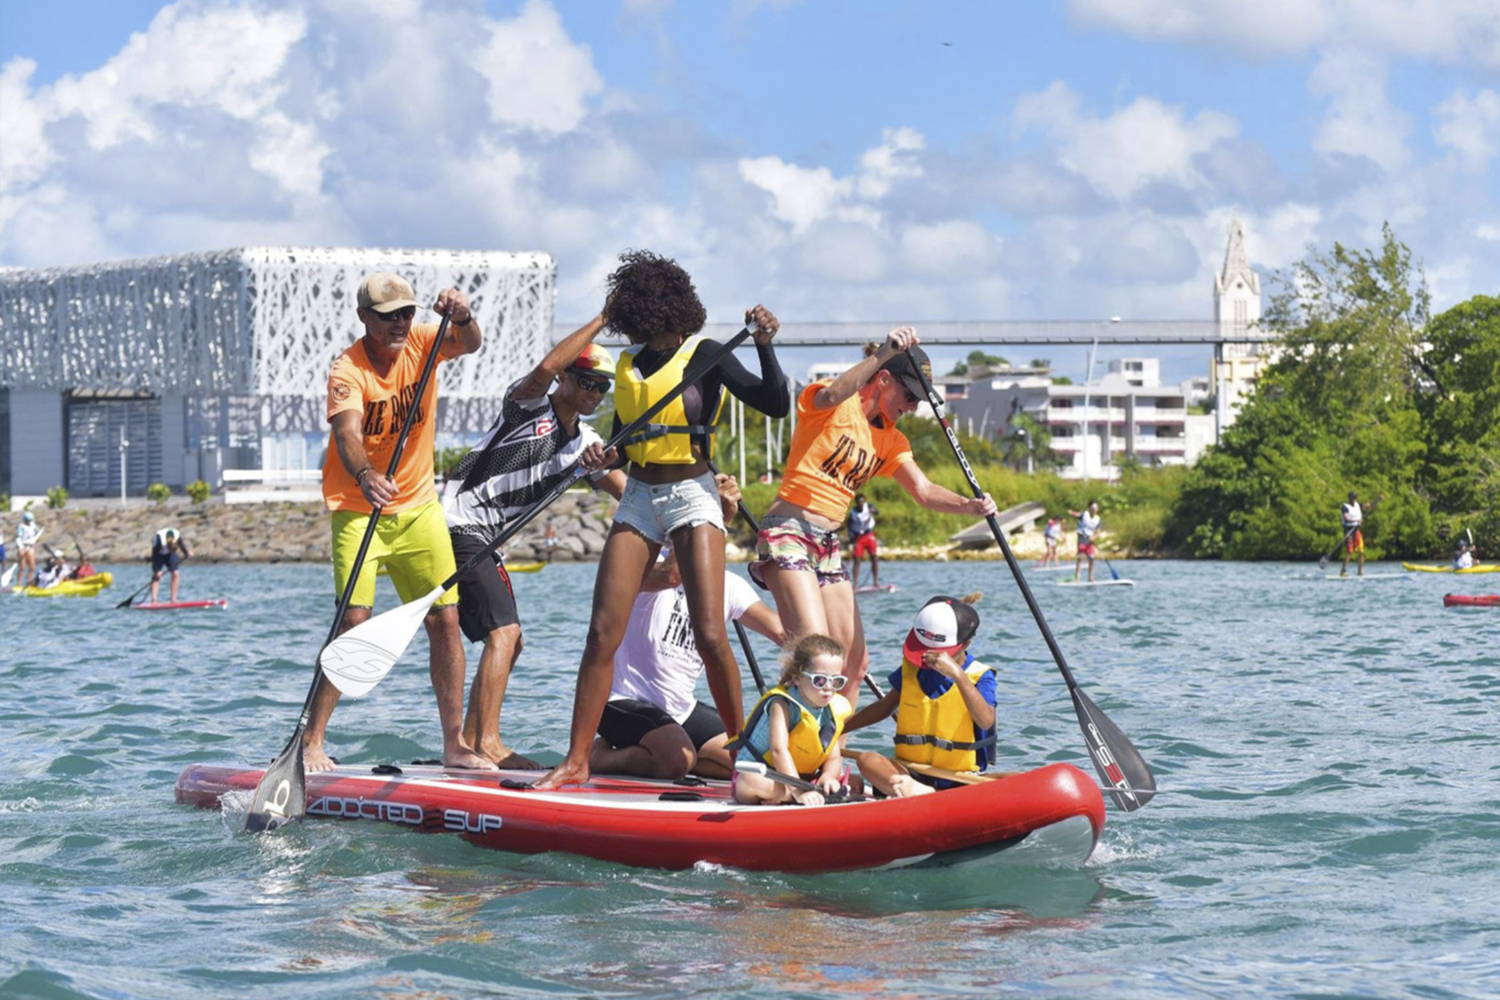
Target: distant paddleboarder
862,541
167,552
28,533
1464,557
1352,517
1088,527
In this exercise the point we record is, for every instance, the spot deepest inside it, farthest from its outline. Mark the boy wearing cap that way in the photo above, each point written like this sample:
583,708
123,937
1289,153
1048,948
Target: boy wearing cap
371,386
535,441
943,700
846,434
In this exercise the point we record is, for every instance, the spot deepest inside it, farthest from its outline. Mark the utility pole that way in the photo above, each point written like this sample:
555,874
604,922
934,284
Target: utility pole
123,445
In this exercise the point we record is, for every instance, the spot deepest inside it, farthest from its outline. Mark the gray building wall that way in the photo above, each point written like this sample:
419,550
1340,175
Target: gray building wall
36,440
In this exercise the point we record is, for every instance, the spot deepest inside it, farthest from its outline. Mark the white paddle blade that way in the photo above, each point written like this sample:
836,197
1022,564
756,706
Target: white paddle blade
9,575
358,659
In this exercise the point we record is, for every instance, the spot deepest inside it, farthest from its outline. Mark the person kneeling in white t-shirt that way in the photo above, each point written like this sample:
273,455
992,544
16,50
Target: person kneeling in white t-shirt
653,724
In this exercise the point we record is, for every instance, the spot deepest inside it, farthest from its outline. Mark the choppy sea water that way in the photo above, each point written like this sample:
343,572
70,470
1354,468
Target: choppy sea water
1328,822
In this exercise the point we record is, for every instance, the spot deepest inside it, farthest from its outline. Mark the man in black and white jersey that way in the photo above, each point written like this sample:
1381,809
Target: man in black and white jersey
534,444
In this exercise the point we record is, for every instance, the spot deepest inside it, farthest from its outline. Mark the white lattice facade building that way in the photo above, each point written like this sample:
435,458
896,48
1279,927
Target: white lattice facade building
201,362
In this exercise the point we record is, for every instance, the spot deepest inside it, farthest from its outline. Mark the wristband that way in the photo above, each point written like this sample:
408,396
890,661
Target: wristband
359,477
466,322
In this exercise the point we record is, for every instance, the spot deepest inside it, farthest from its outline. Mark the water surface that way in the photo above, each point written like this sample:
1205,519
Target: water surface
1327,825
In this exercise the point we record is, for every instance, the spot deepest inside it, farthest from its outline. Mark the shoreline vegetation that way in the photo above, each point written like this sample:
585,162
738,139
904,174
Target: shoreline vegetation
1366,392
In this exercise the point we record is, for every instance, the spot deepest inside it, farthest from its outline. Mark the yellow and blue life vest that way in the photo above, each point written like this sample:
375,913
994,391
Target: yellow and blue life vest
810,735
939,731
668,440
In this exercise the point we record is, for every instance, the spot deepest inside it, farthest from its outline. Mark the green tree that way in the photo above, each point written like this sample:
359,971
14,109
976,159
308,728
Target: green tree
1336,411
1460,408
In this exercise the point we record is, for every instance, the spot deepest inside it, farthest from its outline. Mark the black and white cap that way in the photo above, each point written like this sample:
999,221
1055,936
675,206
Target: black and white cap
943,625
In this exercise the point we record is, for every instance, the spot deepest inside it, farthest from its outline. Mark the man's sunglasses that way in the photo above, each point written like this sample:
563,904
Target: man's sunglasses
397,315
832,682
591,383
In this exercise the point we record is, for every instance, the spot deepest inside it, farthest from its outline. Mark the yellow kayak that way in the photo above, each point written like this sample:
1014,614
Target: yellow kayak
524,567
1448,568
89,586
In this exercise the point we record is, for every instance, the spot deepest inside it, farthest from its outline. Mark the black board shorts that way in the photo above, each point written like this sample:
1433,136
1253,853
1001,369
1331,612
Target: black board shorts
485,598
626,721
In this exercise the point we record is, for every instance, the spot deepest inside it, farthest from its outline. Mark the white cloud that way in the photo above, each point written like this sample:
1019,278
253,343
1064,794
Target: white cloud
1360,120
1142,143
1451,31
1470,126
25,154
537,77
803,196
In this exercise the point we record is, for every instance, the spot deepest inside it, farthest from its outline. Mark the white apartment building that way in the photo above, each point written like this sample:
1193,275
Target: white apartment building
1128,413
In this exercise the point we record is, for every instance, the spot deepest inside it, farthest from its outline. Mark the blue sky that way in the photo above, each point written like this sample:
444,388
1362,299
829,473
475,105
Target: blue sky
837,160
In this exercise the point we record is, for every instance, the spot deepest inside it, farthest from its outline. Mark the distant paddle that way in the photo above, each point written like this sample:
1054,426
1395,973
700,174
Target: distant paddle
358,659
131,599
1123,770
1112,574
281,795
1323,560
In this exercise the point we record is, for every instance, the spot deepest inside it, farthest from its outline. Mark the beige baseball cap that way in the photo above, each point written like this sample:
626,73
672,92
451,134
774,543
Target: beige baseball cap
385,292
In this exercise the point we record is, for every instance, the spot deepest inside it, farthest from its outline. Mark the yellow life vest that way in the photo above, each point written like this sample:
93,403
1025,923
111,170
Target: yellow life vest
938,731
668,439
808,742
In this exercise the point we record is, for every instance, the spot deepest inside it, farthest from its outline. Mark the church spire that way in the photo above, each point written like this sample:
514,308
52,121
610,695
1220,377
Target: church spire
1237,263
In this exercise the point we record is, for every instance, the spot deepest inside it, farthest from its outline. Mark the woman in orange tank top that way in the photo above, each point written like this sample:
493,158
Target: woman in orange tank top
846,435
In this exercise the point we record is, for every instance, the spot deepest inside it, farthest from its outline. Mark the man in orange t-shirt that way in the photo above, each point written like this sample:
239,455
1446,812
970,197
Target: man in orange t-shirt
846,435
371,387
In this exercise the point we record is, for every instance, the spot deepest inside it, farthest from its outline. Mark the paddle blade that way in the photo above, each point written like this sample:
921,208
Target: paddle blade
356,660
1122,770
281,796
8,575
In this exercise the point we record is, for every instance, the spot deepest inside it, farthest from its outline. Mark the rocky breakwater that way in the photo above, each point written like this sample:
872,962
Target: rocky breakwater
283,531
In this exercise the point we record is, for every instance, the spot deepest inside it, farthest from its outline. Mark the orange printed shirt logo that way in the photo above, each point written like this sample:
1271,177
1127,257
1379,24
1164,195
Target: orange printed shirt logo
835,452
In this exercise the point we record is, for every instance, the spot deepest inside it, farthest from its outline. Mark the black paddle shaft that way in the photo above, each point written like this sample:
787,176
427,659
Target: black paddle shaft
291,804
1111,752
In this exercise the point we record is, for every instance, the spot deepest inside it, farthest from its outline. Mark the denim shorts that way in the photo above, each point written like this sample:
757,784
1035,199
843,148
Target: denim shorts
658,510
793,543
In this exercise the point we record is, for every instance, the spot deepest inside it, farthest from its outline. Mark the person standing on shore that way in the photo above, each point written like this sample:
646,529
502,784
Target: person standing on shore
846,434
862,539
1088,528
671,495
168,549
370,388
535,442
28,533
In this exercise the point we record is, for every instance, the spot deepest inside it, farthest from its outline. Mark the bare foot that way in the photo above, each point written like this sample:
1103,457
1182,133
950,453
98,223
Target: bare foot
516,762
503,756
567,773
468,759
905,786
315,758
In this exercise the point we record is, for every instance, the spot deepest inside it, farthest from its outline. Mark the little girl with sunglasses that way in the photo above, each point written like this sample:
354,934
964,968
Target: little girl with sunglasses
797,726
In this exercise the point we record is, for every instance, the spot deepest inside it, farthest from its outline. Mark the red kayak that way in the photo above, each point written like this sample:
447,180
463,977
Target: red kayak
1471,600
217,602
663,824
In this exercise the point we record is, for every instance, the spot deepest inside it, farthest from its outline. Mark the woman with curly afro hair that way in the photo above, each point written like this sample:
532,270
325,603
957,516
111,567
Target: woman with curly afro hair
670,497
